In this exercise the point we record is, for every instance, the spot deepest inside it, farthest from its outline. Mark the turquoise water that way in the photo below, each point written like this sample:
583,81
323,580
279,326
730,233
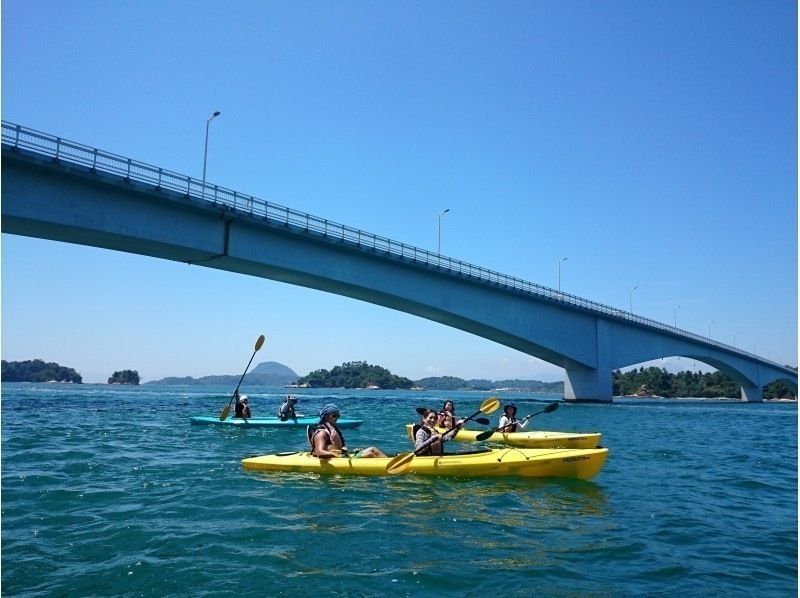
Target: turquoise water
110,491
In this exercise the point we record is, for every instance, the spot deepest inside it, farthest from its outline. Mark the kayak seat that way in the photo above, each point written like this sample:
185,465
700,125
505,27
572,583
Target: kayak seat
310,435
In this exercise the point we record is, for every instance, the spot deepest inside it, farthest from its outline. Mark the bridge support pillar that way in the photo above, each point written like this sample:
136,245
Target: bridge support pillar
587,385
752,393
592,384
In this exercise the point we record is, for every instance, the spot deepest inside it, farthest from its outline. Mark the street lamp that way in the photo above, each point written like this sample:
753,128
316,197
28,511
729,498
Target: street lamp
734,338
630,297
439,246
675,314
563,259
205,152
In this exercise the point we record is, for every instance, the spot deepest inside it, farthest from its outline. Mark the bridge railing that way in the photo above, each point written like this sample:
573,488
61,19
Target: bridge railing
56,148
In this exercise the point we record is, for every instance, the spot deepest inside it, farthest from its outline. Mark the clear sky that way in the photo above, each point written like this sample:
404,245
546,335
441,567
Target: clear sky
651,143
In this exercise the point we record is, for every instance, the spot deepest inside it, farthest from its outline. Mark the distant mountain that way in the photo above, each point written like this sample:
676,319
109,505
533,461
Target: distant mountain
273,368
268,373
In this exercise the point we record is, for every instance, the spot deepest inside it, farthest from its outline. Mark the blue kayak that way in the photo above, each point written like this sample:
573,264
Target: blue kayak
268,422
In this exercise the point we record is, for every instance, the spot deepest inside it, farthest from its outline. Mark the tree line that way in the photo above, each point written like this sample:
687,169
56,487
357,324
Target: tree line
36,370
659,382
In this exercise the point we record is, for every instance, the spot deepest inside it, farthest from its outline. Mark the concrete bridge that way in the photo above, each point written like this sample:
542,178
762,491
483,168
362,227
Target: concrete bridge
64,191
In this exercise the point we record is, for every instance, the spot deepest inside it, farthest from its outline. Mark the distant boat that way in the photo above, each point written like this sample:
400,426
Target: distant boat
295,386
373,387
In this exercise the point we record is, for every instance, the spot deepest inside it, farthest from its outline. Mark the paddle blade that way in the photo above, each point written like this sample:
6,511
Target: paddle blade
399,464
484,435
490,405
484,421
551,407
223,415
422,410
259,343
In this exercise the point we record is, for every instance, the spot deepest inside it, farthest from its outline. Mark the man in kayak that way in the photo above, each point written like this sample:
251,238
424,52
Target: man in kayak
328,441
241,410
286,410
509,422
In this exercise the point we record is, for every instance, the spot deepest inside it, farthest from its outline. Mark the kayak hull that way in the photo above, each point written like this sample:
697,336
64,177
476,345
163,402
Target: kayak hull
562,463
532,439
268,422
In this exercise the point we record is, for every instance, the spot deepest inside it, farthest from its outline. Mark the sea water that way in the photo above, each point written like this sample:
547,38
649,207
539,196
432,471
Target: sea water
109,491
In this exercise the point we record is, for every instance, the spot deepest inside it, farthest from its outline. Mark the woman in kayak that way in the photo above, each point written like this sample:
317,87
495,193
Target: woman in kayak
327,439
509,422
447,416
427,438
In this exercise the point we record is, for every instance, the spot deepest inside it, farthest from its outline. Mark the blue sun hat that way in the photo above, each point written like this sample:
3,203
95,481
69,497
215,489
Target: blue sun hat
329,408
511,406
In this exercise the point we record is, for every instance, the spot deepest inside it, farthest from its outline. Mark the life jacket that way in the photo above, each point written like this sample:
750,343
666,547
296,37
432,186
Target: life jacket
312,431
428,450
238,410
510,426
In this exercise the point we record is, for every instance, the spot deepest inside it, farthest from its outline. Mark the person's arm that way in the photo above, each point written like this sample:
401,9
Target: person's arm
523,422
452,433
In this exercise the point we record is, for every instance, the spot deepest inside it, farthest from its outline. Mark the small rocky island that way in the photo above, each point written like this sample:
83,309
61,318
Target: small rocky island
125,377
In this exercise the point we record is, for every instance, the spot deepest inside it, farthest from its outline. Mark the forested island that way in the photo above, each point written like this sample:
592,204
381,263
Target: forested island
655,381
36,370
355,374
125,377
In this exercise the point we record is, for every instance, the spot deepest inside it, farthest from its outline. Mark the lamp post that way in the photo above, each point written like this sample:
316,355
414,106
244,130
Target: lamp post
630,297
563,259
734,338
675,314
439,246
205,151
709,328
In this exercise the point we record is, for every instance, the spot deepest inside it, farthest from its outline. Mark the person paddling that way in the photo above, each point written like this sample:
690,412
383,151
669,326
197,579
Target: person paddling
447,416
509,422
241,409
427,440
328,441
286,410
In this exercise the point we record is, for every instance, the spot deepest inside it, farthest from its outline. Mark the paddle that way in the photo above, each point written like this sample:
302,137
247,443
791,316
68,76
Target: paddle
481,420
401,462
484,435
223,415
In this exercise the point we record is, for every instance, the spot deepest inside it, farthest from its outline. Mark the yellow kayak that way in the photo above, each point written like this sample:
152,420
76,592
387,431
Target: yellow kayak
562,463
533,439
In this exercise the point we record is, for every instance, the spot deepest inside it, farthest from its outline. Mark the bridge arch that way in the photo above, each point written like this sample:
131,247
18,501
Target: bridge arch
64,191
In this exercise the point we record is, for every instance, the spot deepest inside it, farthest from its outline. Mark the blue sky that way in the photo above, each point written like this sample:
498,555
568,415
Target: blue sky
652,143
